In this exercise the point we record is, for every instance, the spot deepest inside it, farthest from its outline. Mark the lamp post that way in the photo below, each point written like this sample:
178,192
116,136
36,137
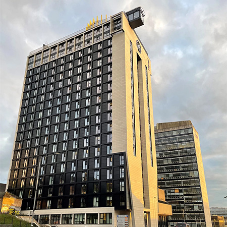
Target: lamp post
36,186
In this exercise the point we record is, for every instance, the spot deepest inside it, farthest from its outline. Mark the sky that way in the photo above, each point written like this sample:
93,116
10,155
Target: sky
187,45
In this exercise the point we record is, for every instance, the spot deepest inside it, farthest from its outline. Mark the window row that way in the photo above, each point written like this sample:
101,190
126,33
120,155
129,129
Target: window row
81,218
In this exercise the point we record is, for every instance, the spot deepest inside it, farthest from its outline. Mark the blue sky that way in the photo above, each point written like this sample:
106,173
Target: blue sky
187,45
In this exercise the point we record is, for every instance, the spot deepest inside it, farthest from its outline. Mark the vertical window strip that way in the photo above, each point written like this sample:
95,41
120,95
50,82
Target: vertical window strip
148,113
132,94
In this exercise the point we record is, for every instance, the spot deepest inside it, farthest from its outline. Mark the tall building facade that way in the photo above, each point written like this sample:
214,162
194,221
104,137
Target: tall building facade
181,173
85,135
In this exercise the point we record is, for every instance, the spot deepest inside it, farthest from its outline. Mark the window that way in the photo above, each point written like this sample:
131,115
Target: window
21,194
95,201
99,71
41,180
42,170
74,155
87,112
55,138
75,144
66,126
110,96
38,206
78,78
61,180
83,189
109,187
96,175
92,219
109,161
97,151
51,180
99,80
65,136
79,69
71,190
98,109
31,182
88,75
55,219
78,87
85,154
67,108
66,218
76,124
84,176
88,83
48,204
122,172
122,186
109,201
72,177
60,190
51,169
99,54
78,95
82,202
17,164
79,218
15,174
122,200
54,148
86,132
98,99
63,168
44,219
73,166
71,57
105,218
96,188
109,106
97,140
97,163
87,102
86,121
109,127
109,174
40,192
25,162
110,69
64,146
97,129
75,134
109,149
109,138
121,159
85,164
58,110
87,93
57,119
97,119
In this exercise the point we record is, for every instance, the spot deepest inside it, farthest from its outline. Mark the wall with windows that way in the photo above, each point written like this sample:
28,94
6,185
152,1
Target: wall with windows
65,123
104,216
180,172
126,120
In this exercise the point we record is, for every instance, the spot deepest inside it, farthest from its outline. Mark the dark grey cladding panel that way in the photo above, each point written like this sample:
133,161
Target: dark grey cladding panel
135,17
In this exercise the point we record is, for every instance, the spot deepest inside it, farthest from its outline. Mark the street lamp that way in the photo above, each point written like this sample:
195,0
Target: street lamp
36,187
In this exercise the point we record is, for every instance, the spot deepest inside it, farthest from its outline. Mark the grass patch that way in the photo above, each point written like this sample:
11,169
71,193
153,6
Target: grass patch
11,219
